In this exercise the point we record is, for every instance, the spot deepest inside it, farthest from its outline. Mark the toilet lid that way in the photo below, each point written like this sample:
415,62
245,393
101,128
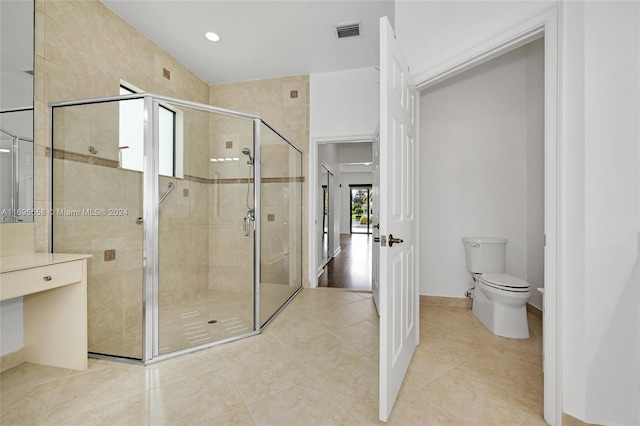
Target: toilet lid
506,281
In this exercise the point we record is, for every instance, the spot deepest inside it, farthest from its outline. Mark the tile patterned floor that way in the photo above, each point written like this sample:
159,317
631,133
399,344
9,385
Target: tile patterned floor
316,364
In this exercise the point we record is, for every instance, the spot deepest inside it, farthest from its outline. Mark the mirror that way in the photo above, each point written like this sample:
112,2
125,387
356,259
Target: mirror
16,110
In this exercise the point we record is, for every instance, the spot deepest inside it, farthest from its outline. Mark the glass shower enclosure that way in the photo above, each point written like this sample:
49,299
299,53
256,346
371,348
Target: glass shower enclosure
192,214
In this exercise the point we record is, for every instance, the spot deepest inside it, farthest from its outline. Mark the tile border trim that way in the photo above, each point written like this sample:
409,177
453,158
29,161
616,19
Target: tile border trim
534,310
460,302
61,154
13,359
569,420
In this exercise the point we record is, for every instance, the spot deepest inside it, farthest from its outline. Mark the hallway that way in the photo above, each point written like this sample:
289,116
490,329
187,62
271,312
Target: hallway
351,269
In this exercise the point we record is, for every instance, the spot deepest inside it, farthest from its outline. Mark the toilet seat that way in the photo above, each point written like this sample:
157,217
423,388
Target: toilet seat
505,282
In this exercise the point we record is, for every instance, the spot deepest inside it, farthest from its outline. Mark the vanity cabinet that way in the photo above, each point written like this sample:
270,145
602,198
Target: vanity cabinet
54,287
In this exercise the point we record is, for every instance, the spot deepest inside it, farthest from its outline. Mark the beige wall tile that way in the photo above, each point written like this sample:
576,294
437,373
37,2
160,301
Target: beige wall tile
84,50
64,21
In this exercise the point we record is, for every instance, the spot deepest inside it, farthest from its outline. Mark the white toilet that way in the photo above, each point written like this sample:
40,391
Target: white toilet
499,299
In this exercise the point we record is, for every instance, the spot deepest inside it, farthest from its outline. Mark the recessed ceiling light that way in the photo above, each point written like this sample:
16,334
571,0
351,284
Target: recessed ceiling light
212,36
214,159
4,150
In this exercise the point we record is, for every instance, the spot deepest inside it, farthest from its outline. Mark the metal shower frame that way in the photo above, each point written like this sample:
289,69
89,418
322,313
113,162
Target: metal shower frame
151,199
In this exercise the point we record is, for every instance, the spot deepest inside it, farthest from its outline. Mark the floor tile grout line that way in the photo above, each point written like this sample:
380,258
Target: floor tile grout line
449,412
146,389
351,345
499,386
55,399
533,413
235,382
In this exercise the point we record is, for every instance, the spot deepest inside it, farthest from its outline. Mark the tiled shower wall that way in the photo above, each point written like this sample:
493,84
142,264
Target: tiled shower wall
84,50
284,104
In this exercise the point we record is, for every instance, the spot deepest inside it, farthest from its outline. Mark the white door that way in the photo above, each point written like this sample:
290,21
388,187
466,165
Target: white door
397,284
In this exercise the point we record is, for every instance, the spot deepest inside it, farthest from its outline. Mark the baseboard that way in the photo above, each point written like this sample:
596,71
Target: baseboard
568,420
13,359
459,302
536,312
337,251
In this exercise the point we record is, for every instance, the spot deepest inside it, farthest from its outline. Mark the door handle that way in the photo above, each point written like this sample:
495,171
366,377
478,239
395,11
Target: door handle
393,240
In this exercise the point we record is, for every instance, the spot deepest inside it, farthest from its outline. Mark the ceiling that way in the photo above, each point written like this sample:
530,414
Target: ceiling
259,39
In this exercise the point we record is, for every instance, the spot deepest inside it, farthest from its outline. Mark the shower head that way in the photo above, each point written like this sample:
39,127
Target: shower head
246,151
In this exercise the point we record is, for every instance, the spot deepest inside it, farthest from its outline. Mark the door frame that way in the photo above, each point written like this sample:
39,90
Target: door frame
545,24
313,196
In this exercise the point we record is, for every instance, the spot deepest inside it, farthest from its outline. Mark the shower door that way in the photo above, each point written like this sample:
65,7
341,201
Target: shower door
205,290
280,171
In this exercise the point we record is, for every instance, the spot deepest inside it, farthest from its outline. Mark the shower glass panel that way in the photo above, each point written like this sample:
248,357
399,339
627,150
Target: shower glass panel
206,277
281,218
95,206
188,251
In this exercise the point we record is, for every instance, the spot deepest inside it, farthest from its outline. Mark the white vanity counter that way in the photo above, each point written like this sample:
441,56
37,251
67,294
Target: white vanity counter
54,286
34,260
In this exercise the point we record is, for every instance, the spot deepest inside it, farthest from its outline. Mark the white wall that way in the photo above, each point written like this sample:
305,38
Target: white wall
534,255
355,153
602,158
344,103
600,186
431,32
476,168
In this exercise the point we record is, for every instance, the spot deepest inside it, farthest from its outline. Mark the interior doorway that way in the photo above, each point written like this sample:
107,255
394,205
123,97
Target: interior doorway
360,208
343,215
543,25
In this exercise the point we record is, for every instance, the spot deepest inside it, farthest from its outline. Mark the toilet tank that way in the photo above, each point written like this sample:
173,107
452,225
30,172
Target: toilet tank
485,254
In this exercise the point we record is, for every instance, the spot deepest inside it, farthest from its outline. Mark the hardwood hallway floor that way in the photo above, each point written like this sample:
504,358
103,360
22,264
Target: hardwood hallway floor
351,269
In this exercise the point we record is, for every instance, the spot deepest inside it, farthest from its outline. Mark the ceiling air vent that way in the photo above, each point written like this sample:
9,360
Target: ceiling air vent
351,29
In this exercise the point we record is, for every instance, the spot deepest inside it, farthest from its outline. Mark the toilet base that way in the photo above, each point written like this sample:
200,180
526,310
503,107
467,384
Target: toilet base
502,319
